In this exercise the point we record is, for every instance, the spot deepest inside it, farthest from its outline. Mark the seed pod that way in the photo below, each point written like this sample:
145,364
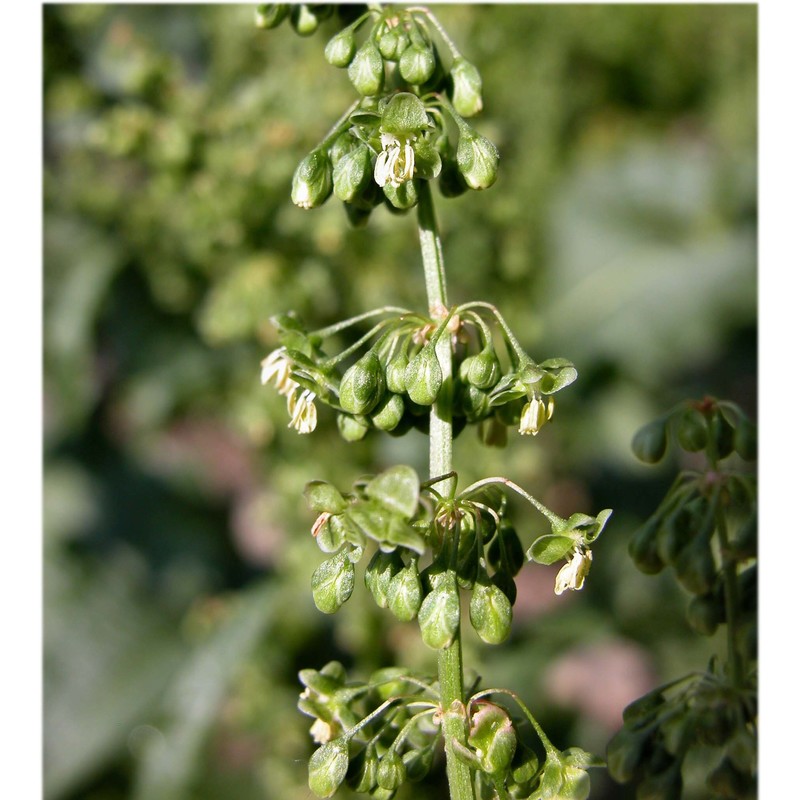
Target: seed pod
678,530
440,614
352,174
473,402
692,430
341,48
416,64
643,548
705,613
362,385
332,583
490,613
404,593
312,183
477,159
466,87
650,442
695,567
388,413
366,70
304,20
424,377
272,14
379,573
352,429
391,770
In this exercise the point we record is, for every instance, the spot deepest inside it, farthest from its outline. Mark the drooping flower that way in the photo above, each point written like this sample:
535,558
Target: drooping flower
302,411
574,572
276,368
395,162
534,414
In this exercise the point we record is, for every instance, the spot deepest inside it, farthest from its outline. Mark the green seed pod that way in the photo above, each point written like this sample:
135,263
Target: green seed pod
678,530
327,767
477,159
396,373
343,144
404,593
705,613
352,429
418,763
352,174
332,583
650,442
391,771
504,581
466,87
341,48
416,64
440,614
312,183
481,370
388,413
506,551
424,376
692,430
366,70
722,435
490,613
695,567
388,41
271,15
493,737
379,573
304,20
643,548
473,402
362,385
745,440
401,197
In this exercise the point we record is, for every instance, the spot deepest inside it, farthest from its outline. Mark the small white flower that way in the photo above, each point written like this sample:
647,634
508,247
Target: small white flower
321,731
534,414
302,411
574,572
276,368
395,162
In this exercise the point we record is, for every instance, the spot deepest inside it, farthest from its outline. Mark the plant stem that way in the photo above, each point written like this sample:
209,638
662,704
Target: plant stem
451,678
730,583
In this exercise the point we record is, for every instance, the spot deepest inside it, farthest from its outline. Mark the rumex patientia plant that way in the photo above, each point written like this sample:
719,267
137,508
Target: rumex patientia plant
428,544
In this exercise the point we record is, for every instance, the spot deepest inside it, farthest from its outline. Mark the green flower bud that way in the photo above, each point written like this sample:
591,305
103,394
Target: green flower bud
745,440
271,15
391,771
404,593
650,442
352,174
490,613
722,435
493,737
402,197
674,536
643,548
366,70
481,370
695,567
304,20
424,376
473,402
352,429
392,43
439,615
362,385
379,573
313,181
327,767
417,64
332,583
341,48
704,613
692,430
404,115
418,763
477,159
388,413
396,373
466,91
343,144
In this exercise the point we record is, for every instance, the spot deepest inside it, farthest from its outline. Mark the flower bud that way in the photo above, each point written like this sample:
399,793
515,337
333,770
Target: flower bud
312,182
424,377
396,373
332,583
404,593
482,369
402,197
692,430
439,615
352,429
643,548
404,115
392,43
366,70
341,48
272,14
642,709
695,567
745,440
704,613
650,442
678,530
490,613
418,763
391,770
304,20
493,737
328,767
388,413
451,181
352,173
379,573
417,64
477,159
362,385
466,93
474,402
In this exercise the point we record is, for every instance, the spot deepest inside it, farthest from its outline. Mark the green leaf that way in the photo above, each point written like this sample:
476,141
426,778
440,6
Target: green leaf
327,767
322,496
550,548
397,488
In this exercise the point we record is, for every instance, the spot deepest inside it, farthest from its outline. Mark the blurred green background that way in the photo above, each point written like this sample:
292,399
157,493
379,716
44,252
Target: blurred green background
621,234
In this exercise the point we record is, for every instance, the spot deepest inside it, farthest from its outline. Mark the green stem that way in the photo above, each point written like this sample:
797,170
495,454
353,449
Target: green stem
451,674
730,582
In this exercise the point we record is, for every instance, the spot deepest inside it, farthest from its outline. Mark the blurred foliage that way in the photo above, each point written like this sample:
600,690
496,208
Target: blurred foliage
621,234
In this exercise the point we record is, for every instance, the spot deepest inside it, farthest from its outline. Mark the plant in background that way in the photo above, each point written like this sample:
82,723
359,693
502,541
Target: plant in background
428,543
706,530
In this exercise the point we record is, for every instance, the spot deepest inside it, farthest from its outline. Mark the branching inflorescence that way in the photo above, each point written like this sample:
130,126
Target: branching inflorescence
437,370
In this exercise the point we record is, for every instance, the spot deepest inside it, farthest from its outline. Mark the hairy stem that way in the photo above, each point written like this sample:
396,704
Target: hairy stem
451,677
